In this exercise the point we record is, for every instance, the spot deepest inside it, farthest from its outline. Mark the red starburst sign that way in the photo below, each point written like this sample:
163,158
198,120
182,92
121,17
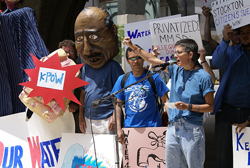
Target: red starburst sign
52,81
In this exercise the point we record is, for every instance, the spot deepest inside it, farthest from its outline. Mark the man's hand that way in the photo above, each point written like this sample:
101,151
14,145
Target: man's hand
82,123
120,135
241,126
73,107
227,31
112,123
206,11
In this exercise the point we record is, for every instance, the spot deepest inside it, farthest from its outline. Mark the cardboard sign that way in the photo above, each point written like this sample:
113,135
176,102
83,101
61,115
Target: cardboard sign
166,33
241,148
51,78
233,12
52,81
144,147
82,150
139,33
32,144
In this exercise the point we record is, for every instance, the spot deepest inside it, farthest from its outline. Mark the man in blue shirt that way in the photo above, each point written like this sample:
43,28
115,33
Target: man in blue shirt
97,43
140,102
232,100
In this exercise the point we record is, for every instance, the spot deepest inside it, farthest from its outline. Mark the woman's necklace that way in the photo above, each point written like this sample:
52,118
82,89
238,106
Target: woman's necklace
183,87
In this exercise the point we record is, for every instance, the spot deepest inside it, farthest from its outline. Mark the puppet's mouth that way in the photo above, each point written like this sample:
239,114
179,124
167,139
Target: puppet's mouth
95,59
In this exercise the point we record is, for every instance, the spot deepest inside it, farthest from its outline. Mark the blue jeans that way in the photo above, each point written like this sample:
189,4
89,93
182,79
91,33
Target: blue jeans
185,145
224,119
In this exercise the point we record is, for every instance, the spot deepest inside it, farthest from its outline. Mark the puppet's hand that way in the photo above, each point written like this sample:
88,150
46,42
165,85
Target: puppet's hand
52,110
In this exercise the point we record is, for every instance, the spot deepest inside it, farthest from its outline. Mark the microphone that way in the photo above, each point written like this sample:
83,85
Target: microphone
164,65
96,103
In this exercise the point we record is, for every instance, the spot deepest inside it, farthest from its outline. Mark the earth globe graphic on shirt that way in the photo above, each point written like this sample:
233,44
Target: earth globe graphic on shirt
137,101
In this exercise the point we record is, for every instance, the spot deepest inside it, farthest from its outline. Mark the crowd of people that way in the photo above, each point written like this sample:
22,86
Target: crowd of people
192,88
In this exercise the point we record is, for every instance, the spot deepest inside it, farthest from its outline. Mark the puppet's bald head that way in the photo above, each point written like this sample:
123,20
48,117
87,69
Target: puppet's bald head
96,37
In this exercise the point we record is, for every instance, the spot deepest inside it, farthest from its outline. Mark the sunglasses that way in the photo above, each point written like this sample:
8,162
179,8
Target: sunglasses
135,58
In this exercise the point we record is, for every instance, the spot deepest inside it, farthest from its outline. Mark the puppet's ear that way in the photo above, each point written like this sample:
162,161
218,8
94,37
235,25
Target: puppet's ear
115,29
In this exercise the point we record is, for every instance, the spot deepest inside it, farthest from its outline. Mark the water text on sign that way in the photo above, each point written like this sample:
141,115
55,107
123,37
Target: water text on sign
41,153
138,34
51,78
126,156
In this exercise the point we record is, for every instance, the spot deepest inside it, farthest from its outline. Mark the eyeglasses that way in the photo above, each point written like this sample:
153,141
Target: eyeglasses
134,58
70,52
179,52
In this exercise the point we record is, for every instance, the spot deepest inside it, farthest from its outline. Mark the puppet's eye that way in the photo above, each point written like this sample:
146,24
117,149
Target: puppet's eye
79,38
93,37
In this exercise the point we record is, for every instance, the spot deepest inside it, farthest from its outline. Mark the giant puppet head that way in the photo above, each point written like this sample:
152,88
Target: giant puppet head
96,37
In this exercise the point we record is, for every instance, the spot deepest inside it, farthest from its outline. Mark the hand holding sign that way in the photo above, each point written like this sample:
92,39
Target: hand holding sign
51,83
227,31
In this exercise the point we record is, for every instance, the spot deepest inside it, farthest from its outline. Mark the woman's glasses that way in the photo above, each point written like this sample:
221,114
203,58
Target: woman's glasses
179,52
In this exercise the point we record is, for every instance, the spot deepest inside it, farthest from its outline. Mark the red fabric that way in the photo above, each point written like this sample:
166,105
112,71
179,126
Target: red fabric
164,119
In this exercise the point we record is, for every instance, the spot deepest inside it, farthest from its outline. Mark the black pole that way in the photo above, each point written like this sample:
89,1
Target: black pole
185,7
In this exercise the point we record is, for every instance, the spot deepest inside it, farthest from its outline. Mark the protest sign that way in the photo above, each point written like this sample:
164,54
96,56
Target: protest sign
241,152
32,144
233,12
82,150
166,33
144,147
139,33
51,80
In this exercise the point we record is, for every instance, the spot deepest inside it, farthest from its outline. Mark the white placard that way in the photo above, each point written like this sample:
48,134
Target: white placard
82,150
241,148
166,33
51,78
233,12
139,32
32,144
